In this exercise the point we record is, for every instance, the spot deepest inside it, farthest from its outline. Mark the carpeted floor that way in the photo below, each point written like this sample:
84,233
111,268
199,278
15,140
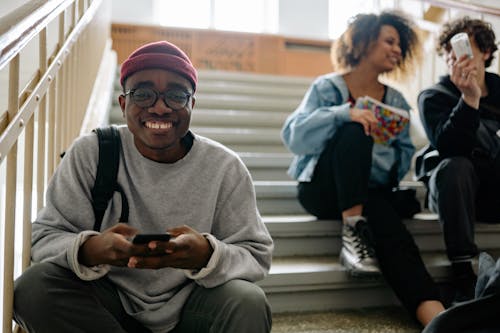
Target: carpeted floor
378,320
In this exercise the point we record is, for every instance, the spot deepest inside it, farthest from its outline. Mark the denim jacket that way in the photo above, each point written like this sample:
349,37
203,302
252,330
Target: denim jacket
324,109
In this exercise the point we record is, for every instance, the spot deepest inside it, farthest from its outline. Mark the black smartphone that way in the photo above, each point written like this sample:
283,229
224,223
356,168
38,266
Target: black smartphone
146,238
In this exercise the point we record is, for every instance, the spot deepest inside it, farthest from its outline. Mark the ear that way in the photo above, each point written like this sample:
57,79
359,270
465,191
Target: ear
486,55
121,101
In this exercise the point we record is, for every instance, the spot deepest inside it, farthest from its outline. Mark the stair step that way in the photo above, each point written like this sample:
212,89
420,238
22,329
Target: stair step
237,118
266,160
256,136
321,283
280,197
227,101
256,89
208,76
304,234
267,166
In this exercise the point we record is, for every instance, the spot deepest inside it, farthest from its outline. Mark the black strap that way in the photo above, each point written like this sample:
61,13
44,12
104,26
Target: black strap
106,176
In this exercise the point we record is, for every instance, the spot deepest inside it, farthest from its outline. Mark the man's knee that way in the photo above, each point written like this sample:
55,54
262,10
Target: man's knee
246,294
248,307
31,284
32,292
454,171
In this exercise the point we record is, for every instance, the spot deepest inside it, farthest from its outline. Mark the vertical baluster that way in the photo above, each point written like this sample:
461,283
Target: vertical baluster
42,114
29,143
10,202
51,142
58,128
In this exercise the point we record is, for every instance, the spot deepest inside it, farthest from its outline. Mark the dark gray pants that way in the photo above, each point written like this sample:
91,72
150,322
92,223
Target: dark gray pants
462,191
49,298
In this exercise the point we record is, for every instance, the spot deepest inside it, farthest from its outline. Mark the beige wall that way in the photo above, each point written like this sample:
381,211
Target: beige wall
232,51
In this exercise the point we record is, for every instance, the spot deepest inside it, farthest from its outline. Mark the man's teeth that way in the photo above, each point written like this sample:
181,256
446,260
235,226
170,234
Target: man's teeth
157,125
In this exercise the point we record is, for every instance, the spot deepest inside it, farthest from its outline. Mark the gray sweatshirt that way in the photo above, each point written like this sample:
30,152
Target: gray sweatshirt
209,190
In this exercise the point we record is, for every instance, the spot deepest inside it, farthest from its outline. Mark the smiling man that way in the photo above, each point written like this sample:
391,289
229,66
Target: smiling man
175,181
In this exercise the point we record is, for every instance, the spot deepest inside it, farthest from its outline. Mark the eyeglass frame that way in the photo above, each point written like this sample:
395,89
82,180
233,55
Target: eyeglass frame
157,96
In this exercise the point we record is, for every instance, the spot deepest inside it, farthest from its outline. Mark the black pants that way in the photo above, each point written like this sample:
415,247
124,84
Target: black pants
461,191
340,181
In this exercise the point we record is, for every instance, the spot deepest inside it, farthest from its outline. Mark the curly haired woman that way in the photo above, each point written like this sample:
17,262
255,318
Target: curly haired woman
343,173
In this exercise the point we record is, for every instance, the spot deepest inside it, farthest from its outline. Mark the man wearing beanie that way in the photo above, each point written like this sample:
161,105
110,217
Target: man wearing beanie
175,181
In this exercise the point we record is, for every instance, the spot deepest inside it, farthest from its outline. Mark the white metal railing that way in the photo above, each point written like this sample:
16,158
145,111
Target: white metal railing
48,102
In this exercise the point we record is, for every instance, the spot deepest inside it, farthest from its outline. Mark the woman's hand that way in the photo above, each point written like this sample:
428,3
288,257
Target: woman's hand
364,117
110,247
187,249
463,74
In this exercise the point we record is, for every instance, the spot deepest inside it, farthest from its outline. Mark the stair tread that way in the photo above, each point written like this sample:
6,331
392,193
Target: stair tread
252,89
422,222
206,76
326,272
307,264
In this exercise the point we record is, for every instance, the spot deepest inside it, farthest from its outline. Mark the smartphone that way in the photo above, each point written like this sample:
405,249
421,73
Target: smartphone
146,238
460,44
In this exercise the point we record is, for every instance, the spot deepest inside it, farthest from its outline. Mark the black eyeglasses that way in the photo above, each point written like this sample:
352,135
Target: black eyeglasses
146,97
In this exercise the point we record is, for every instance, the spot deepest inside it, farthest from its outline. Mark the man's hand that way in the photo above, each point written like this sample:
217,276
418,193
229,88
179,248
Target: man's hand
463,74
364,117
188,249
110,247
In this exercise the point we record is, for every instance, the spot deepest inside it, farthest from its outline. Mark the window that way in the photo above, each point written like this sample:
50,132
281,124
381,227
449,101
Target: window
234,15
185,13
342,11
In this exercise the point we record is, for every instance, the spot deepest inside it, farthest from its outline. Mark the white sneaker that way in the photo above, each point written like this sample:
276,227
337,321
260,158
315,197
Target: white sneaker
357,253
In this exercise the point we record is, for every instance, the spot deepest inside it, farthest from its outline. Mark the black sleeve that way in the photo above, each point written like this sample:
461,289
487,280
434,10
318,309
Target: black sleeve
450,124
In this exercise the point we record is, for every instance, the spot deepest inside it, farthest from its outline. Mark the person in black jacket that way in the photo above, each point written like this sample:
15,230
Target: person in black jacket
461,116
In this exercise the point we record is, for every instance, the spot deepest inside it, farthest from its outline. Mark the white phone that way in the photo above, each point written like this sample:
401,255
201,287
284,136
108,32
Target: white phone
460,44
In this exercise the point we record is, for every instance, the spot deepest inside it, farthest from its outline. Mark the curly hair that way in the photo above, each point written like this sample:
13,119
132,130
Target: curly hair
481,31
363,30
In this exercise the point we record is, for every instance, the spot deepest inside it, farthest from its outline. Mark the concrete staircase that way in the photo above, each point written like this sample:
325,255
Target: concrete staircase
246,112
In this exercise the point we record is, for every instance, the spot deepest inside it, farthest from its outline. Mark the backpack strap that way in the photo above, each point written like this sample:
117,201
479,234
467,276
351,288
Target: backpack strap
106,176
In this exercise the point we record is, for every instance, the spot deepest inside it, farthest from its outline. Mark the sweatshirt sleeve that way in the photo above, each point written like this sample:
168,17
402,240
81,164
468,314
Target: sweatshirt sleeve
241,242
406,149
403,143
319,115
450,125
67,217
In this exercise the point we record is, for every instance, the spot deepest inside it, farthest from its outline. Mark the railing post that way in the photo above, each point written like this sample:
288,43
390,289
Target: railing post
42,113
10,202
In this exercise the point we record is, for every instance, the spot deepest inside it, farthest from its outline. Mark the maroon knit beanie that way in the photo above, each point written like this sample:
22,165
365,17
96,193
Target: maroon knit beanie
163,55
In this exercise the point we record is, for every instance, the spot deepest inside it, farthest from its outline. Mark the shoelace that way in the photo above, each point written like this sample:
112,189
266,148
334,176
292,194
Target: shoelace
364,240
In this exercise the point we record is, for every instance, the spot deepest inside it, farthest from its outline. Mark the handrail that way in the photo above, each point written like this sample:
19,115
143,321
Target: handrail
24,23
16,125
467,6
44,116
